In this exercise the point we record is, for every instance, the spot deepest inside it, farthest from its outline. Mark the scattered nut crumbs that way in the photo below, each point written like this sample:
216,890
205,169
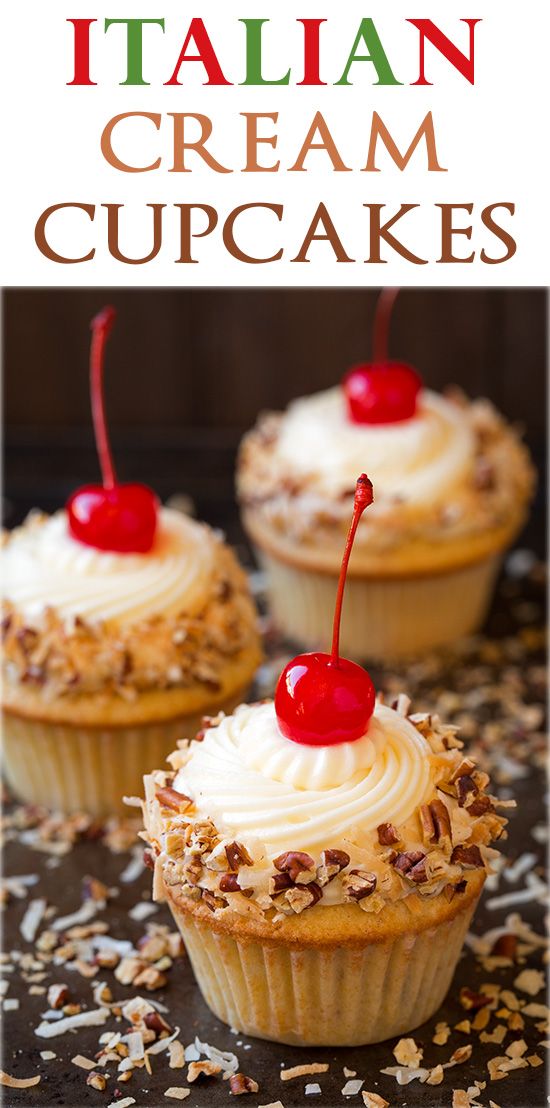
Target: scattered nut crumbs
407,1053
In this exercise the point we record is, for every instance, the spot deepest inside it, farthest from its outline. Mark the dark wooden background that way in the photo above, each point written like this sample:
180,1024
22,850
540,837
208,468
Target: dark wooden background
188,371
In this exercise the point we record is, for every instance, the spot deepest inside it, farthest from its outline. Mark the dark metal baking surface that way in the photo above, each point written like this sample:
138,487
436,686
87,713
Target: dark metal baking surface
496,688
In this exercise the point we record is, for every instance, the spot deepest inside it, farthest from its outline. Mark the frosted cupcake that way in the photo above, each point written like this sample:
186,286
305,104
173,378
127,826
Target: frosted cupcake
322,855
123,623
453,484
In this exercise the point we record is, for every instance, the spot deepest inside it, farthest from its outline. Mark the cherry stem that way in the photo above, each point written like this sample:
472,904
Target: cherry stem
363,497
100,327
382,319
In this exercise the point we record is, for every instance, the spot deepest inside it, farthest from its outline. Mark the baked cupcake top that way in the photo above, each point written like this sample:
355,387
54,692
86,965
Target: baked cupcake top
451,472
252,822
77,619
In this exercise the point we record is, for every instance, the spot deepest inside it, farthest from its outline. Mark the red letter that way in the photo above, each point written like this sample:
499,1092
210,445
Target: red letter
197,31
460,61
311,51
81,51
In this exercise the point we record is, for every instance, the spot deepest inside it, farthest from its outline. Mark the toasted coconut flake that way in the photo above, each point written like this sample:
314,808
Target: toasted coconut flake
202,1069
407,1053
351,1088
32,919
313,1088
404,1076
82,1062
177,1092
125,1103
227,1061
19,1082
94,1018
303,1071
48,1055
89,909
436,1076
373,1100
164,1044
142,910
461,1099
177,1055
530,981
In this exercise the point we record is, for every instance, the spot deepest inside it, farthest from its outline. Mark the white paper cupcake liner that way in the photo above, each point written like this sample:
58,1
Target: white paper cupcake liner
382,619
335,995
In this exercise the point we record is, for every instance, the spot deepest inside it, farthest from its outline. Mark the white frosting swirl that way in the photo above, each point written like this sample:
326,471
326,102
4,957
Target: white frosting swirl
43,566
254,784
418,459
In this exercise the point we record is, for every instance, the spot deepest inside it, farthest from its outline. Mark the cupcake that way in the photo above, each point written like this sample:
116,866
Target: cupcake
123,623
322,855
453,485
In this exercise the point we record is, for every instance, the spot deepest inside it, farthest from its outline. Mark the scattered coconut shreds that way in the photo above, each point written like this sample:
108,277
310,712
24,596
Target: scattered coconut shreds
313,1089
407,1053
373,1100
164,1044
18,1082
352,1088
82,1062
522,865
530,981
177,1092
89,909
48,1055
10,1005
135,867
349,1073
225,1059
202,1069
94,1018
142,910
124,1103
32,919
303,1071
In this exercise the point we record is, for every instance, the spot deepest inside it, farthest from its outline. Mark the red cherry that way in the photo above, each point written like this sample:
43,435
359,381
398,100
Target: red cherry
322,699
122,518
382,391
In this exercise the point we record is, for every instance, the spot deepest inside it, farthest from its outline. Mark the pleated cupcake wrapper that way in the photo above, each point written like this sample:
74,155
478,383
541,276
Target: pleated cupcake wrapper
330,996
382,619
68,768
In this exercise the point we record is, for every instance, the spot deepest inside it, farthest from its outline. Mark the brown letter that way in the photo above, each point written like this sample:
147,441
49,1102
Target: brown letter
504,236
253,140
379,130
185,228
319,124
40,233
113,233
229,240
180,144
107,147
447,232
380,231
322,217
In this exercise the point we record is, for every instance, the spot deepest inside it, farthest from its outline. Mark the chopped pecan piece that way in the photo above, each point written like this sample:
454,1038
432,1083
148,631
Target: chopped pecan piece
465,769
469,856
155,1022
441,821
407,860
387,834
171,798
58,995
303,896
473,1001
465,786
332,863
296,863
418,872
229,883
359,883
450,891
279,882
212,901
506,946
239,1083
480,806
148,859
237,855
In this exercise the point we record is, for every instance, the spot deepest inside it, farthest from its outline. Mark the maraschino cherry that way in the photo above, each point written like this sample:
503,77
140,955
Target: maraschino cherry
382,391
121,518
323,699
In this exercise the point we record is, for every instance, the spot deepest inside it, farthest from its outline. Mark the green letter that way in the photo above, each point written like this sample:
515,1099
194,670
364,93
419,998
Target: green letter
368,33
134,47
254,54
